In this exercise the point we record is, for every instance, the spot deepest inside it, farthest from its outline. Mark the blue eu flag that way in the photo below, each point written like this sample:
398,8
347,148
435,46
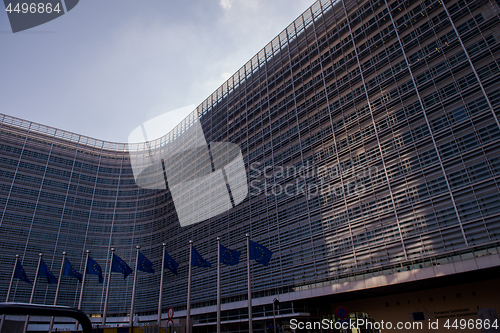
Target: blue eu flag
197,260
260,253
144,264
93,268
20,274
170,263
70,271
120,266
45,272
229,257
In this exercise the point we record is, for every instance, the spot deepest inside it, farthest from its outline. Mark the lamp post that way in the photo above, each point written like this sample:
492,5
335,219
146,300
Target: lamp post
87,253
160,297
132,304
275,304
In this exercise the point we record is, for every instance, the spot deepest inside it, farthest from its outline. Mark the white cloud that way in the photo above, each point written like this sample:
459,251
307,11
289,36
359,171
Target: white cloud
247,4
226,75
124,72
159,126
226,4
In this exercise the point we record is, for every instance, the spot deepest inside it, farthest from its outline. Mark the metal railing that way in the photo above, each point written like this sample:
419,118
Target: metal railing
47,310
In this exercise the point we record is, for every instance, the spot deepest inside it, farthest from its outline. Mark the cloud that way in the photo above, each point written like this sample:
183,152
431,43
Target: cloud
119,73
226,4
226,75
246,4
159,126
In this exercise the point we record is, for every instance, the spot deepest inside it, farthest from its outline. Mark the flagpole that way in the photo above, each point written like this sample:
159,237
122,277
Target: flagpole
57,289
188,310
131,317
8,290
40,255
87,253
218,284
161,285
107,288
250,323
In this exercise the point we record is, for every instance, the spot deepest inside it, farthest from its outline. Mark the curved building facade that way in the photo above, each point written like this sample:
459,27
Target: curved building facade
370,135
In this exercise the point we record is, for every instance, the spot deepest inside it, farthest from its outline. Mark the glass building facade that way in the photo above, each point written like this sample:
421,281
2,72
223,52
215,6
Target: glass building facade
370,134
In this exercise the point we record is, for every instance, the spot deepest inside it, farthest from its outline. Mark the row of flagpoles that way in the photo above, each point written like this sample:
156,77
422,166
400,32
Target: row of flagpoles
255,251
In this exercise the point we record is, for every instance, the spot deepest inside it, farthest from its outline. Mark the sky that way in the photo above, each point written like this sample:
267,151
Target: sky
108,66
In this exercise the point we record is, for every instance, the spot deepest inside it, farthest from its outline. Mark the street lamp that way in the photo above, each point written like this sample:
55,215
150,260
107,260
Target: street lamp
275,304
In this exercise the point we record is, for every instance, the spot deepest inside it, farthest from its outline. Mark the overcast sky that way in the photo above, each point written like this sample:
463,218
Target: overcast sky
107,66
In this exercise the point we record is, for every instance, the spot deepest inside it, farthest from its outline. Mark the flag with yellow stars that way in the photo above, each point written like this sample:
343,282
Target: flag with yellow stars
229,257
170,263
260,253
70,271
93,268
144,264
20,274
44,271
197,260
120,266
